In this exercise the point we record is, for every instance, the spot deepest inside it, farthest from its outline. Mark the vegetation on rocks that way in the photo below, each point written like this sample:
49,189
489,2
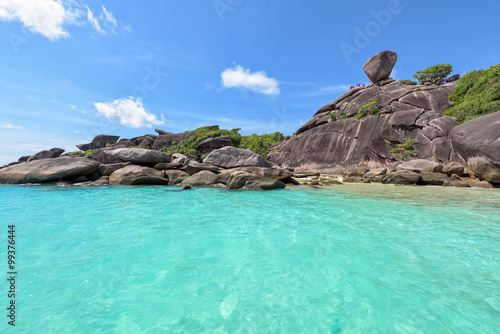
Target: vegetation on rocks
434,74
477,94
408,82
260,144
404,149
368,109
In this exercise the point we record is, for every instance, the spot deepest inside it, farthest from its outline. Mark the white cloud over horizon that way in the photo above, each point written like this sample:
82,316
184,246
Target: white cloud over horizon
258,82
11,126
128,112
51,17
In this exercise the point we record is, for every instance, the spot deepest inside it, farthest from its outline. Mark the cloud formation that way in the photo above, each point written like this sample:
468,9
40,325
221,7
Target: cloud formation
11,126
50,17
128,112
258,82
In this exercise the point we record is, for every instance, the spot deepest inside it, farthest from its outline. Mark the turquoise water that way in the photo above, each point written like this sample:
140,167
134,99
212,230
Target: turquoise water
348,259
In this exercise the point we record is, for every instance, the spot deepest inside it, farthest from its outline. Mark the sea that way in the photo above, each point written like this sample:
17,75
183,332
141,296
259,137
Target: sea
358,258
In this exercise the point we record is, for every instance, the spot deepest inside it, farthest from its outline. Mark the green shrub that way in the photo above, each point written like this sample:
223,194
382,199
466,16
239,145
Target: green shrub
344,117
477,94
261,144
89,152
408,82
403,149
434,74
77,153
368,109
333,117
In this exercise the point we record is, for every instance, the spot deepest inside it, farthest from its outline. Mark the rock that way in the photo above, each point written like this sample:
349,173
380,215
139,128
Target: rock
184,158
230,157
123,143
185,187
250,181
86,147
171,139
456,183
57,151
480,184
103,156
210,144
42,155
357,171
477,143
100,141
127,174
195,167
175,176
149,181
162,132
80,179
102,181
453,168
269,172
108,169
201,179
402,177
345,143
170,165
147,142
444,124
375,175
24,158
48,170
355,179
379,66
433,179
140,155
420,166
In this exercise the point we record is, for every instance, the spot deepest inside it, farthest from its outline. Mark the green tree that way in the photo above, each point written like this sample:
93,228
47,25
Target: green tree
434,74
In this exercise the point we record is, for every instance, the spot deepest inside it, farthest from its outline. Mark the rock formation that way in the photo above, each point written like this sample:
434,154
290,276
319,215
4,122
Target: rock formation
379,66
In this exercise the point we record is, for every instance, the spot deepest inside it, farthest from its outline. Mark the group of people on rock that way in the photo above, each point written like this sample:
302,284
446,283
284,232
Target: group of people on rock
357,86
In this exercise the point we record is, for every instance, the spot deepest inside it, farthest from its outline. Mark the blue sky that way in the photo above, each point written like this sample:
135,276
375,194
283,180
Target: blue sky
70,70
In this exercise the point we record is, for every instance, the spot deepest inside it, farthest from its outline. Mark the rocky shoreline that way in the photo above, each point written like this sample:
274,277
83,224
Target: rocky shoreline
389,132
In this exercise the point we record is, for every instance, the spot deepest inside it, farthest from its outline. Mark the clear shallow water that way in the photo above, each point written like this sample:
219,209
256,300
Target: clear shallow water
349,259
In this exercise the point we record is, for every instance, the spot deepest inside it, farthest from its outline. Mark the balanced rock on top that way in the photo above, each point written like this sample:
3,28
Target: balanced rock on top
379,66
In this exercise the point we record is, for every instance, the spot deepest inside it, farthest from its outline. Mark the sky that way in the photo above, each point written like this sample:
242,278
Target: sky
73,69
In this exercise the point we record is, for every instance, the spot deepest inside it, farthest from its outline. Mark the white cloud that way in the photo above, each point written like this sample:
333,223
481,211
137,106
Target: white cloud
46,17
11,126
50,17
258,82
128,112
94,22
72,106
108,19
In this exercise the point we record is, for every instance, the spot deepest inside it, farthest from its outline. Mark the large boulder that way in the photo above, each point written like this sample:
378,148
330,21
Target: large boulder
41,155
140,155
108,169
185,158
57,151
48,170
379,66
230,157
404,112
477,143
202,179
243,180
175,176
101,141
401,178
269,172
104,157
420,166
210,144
149,181
127,174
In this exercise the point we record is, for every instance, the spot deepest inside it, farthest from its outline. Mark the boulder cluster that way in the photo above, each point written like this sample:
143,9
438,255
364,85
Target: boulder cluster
114,163
390,123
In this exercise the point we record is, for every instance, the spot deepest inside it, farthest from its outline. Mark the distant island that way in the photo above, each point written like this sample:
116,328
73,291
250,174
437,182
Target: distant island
441,130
